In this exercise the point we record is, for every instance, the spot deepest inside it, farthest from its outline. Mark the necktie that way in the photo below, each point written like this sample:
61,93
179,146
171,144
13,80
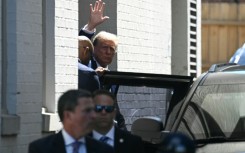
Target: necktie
104,139
76,146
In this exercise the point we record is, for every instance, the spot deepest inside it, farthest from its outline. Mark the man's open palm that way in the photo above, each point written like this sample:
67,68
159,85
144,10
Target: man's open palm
96,15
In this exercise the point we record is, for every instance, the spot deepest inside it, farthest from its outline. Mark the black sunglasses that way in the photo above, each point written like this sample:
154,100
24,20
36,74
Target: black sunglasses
108,109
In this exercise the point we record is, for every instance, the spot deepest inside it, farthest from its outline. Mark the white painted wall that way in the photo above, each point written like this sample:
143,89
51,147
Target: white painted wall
144,31
66,45
24,72
25,38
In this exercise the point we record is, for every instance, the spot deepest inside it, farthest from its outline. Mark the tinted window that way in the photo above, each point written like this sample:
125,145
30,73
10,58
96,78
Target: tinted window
215,111
137,102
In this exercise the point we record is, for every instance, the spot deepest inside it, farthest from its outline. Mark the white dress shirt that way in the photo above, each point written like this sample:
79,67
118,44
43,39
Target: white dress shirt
69,140
98,65
110,135
85,28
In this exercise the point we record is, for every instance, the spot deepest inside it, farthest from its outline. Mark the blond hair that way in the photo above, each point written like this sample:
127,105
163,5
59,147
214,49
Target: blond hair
103,35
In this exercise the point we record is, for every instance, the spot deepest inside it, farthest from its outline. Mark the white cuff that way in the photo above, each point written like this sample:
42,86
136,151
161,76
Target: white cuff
85,29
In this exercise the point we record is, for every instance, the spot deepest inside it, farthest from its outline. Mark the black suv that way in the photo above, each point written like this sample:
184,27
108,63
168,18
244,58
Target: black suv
210,110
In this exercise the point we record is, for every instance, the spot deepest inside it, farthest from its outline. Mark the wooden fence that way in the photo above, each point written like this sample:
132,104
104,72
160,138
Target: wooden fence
223,31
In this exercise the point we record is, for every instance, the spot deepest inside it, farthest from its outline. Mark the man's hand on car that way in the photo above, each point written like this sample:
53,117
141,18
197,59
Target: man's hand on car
100,70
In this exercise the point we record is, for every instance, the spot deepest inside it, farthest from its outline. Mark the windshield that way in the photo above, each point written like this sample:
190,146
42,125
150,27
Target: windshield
216,111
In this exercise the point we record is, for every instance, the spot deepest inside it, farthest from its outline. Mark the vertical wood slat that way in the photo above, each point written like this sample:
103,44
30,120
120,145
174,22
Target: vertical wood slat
205,11
205,44
241,29
241,35
214,11
213,44
241,12
223,44
232,40
232,11
224,11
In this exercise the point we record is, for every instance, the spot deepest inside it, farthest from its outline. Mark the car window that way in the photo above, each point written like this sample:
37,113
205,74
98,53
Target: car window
215,111
136,102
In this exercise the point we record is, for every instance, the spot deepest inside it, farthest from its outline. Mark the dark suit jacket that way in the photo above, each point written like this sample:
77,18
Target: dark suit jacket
55,144
124,142
87,78
82,33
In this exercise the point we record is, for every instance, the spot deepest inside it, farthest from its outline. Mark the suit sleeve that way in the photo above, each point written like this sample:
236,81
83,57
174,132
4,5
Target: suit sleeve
33,149
83,33
139,146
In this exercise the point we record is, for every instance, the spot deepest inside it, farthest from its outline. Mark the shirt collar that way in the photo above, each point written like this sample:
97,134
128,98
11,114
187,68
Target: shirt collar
109,134
69,139
98,65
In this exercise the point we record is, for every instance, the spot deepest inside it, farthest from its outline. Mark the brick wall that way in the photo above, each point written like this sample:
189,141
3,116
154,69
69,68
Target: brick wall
25,26
136,102
29,70
66,45
24,33
144,31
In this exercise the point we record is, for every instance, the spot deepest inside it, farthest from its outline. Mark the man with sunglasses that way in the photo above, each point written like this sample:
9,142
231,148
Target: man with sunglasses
76,112
106,131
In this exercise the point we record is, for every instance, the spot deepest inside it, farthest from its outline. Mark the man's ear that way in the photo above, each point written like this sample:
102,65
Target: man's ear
86,51
67,115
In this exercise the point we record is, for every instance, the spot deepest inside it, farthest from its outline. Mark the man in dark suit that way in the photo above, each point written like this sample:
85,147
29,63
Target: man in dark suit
87,77
76,112
105,46
104,129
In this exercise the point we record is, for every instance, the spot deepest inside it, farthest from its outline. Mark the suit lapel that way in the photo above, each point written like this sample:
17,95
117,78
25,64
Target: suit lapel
58,144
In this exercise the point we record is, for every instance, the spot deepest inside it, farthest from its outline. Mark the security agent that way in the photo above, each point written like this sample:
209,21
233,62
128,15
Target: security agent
106,131
76,112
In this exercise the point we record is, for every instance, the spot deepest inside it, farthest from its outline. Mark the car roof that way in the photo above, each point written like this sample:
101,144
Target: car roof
225,74
225,78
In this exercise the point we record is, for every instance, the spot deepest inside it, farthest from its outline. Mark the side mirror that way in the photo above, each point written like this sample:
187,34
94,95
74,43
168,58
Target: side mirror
150,129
